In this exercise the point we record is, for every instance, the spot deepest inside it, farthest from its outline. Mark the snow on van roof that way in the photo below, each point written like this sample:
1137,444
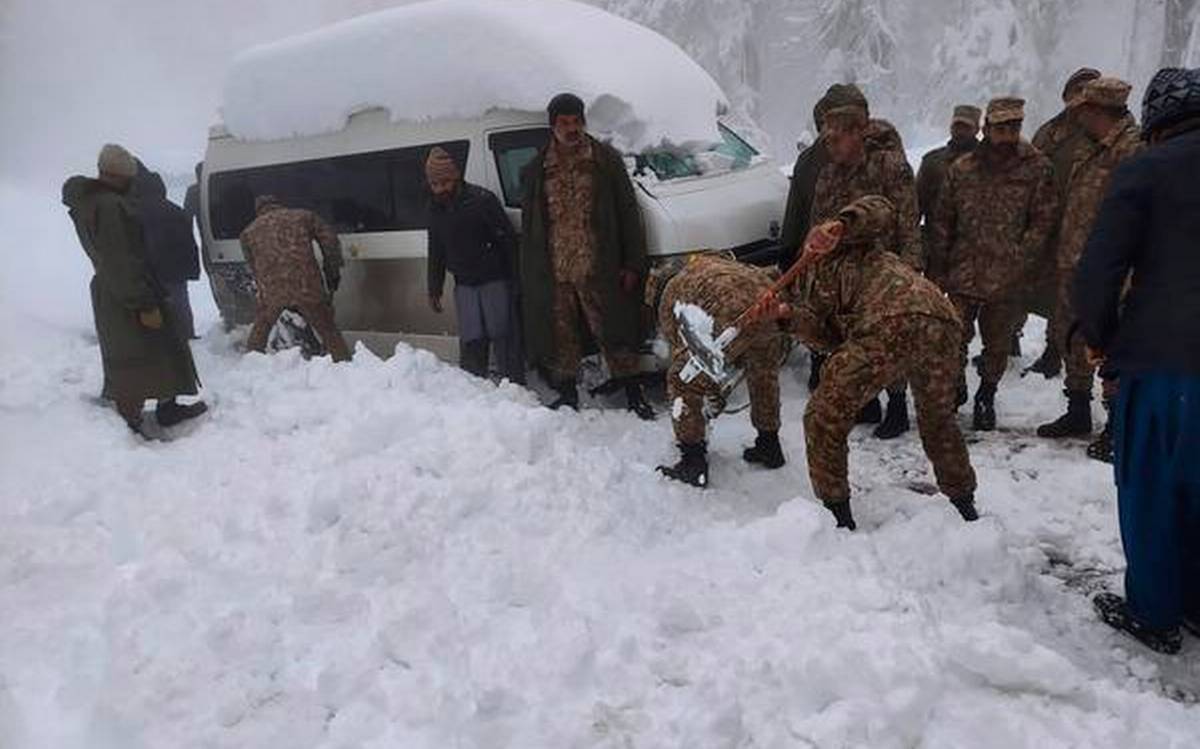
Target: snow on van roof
461,58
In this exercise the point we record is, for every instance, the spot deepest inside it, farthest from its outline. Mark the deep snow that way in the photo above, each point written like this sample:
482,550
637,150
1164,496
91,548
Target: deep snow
390,553
461,58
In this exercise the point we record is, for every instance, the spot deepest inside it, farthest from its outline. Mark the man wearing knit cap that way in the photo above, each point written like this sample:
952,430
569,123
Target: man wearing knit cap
582,259
964,137
1064,142
141,349
991,223
860,166
1137,297
278,246
470,236
1100,110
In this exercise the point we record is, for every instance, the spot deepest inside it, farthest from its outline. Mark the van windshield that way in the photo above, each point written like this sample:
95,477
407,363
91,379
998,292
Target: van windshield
732,153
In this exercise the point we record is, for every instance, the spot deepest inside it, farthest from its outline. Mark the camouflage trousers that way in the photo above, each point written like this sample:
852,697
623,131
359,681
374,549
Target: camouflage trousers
318,316
574,304
1079,372
923,349
761,361
997,323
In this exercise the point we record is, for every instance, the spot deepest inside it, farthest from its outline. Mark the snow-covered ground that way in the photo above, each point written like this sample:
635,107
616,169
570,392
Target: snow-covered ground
392,554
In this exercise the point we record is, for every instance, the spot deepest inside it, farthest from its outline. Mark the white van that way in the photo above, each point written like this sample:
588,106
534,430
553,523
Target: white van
367,180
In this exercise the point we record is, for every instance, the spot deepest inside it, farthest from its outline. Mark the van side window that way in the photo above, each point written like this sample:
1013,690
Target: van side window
376,191
513,151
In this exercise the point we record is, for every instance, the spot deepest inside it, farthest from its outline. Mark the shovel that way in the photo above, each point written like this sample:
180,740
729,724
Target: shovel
707,354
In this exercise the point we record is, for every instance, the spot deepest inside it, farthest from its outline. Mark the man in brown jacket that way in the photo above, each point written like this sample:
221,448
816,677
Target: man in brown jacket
991,223
1100,109
722,289
861,165
882,321
1064,142
278,248
964,139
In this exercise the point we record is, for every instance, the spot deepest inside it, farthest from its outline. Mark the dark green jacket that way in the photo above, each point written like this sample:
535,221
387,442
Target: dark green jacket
619,241
139,363
800,199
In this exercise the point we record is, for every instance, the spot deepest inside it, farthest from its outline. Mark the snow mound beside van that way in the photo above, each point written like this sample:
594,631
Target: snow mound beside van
461,58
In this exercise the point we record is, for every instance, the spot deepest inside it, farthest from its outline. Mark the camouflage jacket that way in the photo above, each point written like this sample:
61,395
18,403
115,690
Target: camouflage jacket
569,197
884,171
992,222
932,173
855,291
278,247
1064,143
1089,182
724,288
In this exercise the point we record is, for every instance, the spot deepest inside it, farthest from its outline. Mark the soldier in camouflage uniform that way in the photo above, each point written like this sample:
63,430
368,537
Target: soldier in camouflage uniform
1064,142
882,321
724,288
991,223
964,139
1100,109
278,249
864,161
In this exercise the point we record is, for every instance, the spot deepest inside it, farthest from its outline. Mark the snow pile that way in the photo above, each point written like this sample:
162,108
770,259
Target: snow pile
460,58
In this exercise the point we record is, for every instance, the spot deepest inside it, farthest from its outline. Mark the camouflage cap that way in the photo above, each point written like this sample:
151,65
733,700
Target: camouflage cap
867,218
843,102
263,202
1005,109
1081,76
1111,93
658,277
967,115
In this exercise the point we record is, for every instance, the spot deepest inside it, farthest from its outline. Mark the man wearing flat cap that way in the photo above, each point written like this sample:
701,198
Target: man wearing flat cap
1064,142
143,354
470,236
582,258
964,137
991,223
1100,110
864,161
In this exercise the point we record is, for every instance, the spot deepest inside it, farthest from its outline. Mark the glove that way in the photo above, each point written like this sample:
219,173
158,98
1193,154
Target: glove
151,318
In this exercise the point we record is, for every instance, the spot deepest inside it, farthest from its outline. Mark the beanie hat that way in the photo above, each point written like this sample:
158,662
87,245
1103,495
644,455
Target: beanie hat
1172,96
565,104
440,165
116,161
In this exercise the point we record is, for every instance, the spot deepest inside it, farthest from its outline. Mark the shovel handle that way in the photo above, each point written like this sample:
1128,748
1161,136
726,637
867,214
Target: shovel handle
808,258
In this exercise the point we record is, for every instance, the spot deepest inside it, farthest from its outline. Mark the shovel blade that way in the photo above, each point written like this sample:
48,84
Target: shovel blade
706,354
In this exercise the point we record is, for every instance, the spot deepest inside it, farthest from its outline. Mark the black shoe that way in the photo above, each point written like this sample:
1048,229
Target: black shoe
895,423
984,417
1048,365
962,397
872,413
1192,624
966,508
1101,448
766,451
1115,612
692,467
841,511
635,396
169,413
568,396
1076,422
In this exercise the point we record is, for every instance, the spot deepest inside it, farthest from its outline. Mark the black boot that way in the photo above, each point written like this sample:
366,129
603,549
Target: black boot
895,423
1076,422
766,451
568,396
984,418
962,397
1049,364
872,413
692,467
966,508
169,413
635,396
1115,612
841,511
1101,448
